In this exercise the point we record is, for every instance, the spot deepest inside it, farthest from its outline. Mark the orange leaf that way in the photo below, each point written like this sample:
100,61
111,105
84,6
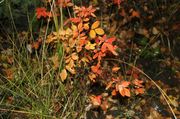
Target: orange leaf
86,19
122,88
139,91
95,69
92,34
96,100
138,83
99,55
70,69
63,75
71,63
36,45
114,93
107,46
109,85
95,25
115,69
80,27
99,31
74,56
9,73
86,26
124,92
135,14
125,83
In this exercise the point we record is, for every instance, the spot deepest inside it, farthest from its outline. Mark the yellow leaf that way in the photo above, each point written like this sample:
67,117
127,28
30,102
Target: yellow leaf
85,60
95,25
90,46
99,31
92,77
74,28
50,38
68,31
92,34
63,74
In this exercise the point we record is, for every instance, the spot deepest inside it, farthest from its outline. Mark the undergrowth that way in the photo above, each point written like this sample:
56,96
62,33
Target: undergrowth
50,74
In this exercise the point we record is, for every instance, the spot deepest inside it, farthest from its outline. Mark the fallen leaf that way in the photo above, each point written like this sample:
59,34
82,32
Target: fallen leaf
115,69
63,75
9,73
135,14
155,31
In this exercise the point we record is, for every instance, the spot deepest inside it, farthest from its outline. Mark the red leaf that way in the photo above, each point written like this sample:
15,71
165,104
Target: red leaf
75,20
41,12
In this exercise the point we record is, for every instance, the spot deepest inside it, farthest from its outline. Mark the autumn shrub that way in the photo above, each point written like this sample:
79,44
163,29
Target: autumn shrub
84,43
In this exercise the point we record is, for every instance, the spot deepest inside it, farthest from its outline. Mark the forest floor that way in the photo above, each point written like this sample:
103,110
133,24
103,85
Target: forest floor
148,40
